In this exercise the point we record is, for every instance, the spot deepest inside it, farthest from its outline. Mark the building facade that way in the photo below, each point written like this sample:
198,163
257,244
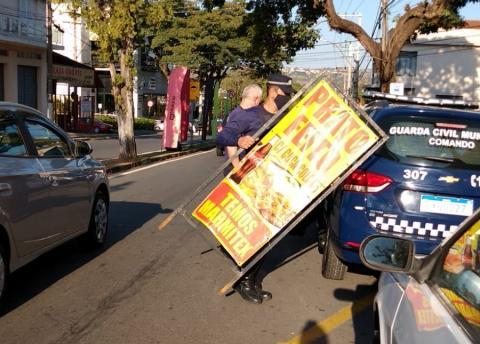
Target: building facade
70,38
443,65
150,87
23,52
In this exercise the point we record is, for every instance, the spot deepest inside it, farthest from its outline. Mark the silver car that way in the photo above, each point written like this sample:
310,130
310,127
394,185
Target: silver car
429,299
51,190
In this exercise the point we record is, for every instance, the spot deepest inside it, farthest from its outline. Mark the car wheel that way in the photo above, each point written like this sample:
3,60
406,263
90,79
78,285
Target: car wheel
219,151
332,266
97,231
3,272
96,130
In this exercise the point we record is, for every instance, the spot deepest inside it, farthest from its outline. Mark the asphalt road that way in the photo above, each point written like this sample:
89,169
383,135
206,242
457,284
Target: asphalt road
151,286
109,148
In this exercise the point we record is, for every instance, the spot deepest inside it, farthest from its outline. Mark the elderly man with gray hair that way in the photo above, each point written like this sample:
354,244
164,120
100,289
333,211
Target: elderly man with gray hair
243,120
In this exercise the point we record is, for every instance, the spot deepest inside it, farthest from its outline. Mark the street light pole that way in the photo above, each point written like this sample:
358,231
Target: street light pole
384,28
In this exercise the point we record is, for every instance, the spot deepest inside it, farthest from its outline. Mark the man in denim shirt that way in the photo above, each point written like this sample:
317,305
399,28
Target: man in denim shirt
244,120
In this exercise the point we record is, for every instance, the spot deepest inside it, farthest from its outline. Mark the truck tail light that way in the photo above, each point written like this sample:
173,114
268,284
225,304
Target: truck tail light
369,182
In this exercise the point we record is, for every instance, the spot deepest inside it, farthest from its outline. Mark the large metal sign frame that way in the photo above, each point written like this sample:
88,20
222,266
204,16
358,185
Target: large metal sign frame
240,272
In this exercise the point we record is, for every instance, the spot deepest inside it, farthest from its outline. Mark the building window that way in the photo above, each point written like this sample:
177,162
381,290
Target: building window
29,55
57,35
407,63
449,96
27,85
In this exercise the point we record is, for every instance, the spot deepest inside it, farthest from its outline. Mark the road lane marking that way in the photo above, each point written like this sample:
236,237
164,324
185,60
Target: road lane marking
157,164
324,327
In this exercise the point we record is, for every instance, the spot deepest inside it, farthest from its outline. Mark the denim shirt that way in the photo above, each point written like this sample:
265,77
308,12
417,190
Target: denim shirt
240,122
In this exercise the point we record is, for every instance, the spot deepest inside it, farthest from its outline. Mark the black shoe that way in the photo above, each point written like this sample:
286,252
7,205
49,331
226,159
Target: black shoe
266,295
246,289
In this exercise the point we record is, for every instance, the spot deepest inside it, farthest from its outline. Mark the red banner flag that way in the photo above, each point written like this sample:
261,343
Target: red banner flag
176,111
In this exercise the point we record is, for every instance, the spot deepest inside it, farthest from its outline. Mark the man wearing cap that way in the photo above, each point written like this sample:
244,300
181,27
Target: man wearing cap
279,89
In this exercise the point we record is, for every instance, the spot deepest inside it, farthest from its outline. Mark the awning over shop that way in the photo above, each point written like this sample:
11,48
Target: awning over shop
72,72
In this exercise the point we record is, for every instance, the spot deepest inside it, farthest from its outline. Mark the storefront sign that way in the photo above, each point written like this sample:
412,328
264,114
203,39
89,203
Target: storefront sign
80,77
311,146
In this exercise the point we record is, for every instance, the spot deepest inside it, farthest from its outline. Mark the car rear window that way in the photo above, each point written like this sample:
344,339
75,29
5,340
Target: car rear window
432,142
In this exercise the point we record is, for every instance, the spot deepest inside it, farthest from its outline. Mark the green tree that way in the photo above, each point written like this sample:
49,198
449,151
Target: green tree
120,26
209,42
425,17
236,80
219,37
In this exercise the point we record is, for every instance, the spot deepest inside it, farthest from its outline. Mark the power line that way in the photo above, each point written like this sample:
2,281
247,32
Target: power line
426,52
21,14
348,6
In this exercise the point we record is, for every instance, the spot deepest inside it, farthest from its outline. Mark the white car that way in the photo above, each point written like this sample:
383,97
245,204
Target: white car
159,125
429,299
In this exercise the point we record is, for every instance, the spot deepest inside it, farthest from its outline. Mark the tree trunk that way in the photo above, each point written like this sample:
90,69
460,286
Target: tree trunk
207,104
123,94
387,75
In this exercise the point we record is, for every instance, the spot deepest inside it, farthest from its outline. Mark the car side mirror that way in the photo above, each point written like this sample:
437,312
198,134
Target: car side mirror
82,148
386,253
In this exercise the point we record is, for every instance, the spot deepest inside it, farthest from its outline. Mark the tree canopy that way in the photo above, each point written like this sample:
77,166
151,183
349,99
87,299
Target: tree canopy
120,26
424,17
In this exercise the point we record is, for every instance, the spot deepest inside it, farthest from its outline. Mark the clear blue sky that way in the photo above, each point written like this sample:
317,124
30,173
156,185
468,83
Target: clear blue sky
326,54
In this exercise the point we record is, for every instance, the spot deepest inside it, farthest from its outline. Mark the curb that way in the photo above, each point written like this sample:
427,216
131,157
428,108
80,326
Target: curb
104,137
116,165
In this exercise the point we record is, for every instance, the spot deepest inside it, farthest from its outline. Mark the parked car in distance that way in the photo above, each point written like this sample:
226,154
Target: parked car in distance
429,299
101,127
421,184
85,126
51,190
159,125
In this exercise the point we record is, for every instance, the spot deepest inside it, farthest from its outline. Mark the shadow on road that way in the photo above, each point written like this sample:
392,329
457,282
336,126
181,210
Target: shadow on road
362,309
361,312
298,242
312,333
121,186
32,279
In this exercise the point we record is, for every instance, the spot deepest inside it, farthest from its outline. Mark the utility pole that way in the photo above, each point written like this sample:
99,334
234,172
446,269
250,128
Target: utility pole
353,52
356,79
49,61
384,29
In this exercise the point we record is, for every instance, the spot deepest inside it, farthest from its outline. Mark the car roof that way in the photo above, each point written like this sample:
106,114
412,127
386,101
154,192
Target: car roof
9,106
424,111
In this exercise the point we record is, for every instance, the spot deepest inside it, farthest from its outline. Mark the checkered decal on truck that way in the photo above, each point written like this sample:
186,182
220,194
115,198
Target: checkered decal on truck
416,228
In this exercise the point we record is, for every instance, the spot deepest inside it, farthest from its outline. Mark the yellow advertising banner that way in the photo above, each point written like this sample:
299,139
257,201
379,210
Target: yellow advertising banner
310,147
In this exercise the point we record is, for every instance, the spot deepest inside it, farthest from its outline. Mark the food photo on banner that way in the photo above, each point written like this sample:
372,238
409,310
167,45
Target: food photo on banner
315,143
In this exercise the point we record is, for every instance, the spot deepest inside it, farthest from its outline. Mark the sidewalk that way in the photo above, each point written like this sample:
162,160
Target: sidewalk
192,145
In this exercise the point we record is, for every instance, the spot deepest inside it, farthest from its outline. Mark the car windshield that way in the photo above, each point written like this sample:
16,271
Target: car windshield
434,142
